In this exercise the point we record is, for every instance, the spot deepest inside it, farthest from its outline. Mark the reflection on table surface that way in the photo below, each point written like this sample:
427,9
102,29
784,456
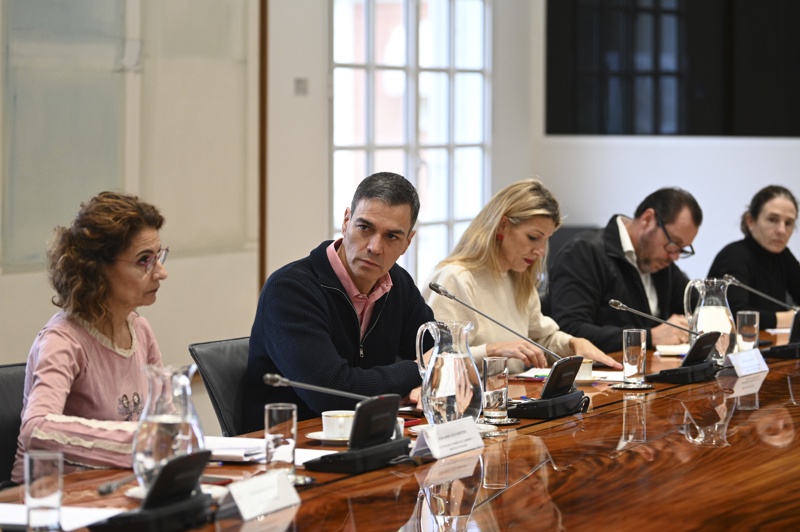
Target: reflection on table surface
689,456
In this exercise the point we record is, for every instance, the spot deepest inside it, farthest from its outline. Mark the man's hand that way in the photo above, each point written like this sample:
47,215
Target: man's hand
586,349
667,335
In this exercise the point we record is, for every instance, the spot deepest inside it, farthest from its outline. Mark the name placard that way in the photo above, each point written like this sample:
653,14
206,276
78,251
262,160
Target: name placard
448,439
260,495
746,362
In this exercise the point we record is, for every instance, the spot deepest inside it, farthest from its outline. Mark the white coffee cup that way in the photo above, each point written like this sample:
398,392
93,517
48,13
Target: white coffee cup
337,423
585,372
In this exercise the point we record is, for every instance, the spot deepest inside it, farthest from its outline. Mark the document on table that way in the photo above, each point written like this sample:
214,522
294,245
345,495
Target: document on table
779,331
236,449
252,450
672,350
533,374
72,517
540,374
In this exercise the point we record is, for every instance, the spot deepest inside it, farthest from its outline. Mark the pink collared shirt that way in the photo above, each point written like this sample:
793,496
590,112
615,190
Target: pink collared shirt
363,303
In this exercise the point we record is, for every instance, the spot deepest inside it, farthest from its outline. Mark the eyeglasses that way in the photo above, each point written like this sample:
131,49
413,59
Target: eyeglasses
671,247
150,260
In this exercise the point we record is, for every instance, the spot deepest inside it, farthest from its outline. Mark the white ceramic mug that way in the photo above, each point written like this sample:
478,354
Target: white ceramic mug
337,424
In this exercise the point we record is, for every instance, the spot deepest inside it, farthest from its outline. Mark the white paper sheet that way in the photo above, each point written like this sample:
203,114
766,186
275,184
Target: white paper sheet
72,517
236,449
672,350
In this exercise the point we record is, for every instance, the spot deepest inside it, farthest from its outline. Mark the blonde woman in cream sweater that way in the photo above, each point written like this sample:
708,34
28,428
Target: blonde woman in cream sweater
495,267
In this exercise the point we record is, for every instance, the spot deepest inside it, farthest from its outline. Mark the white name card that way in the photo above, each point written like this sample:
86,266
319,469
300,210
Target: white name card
448,439
260,495
746,362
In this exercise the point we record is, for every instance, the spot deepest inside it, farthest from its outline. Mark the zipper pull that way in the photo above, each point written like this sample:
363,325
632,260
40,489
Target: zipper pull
361,350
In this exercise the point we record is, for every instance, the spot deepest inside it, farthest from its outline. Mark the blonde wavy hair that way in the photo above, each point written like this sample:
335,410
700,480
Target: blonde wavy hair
478,247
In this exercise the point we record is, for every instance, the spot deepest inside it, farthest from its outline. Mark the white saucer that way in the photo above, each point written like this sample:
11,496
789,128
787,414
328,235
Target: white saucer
483,428
216,492
320,436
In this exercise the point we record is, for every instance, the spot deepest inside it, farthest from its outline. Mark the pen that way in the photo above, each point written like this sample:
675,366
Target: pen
412,422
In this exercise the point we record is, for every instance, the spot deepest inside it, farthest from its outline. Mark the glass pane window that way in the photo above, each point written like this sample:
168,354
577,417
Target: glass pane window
432,187
390,33
390,107
433,107
416,107
469,108
434,23
349,91
349,35
469,34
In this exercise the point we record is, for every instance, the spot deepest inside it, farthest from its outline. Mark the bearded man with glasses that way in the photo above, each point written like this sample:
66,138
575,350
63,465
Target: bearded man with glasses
631,260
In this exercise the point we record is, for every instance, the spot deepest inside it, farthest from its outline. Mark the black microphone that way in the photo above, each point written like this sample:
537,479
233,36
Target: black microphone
272,379
442,291
735,282
615,303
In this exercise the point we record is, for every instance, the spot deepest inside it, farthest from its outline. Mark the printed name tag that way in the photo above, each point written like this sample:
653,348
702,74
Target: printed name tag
746,362
261,495
448,439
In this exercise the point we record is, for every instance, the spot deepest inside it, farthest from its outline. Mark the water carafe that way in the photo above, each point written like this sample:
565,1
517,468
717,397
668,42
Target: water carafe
169,424
451,385
712,313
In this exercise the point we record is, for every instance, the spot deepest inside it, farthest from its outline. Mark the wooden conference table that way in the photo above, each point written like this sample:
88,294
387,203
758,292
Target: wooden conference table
687,457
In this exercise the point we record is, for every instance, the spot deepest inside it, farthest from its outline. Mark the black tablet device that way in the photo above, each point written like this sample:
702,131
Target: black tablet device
701,349
375,421
562,377
176,481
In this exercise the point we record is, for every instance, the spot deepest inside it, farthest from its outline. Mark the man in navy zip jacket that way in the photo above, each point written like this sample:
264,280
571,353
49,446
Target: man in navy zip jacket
345,317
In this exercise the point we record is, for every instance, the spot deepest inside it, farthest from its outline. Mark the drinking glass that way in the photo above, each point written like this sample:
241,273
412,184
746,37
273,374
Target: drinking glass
280,435
495,389
43,487
746,329
634,349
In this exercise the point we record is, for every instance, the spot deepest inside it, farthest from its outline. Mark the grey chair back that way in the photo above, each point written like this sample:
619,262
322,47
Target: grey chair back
222,365
12,384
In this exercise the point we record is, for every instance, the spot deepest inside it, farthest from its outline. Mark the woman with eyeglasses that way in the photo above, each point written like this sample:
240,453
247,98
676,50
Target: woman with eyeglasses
84,385
762,259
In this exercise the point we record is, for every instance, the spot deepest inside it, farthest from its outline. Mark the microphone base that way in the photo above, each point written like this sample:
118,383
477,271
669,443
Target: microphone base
685,374
355,461
786,352
563,405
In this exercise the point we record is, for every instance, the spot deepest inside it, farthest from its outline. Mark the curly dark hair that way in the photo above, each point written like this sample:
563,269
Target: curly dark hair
104,227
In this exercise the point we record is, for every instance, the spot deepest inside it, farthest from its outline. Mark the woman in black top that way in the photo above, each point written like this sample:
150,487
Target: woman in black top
762,260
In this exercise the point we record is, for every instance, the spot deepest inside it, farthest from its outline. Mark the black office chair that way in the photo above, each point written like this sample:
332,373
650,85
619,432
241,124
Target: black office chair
12,383
222,365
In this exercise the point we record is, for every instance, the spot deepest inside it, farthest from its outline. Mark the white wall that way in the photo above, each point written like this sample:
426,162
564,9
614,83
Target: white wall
298,194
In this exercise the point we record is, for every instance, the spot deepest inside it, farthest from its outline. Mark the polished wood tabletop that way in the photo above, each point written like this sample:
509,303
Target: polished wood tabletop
688,457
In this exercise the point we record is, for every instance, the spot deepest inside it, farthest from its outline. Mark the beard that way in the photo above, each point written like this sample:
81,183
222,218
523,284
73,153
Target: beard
648,251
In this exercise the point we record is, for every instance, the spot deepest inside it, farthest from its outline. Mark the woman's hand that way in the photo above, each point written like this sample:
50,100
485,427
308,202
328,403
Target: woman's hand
586,349
522,350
